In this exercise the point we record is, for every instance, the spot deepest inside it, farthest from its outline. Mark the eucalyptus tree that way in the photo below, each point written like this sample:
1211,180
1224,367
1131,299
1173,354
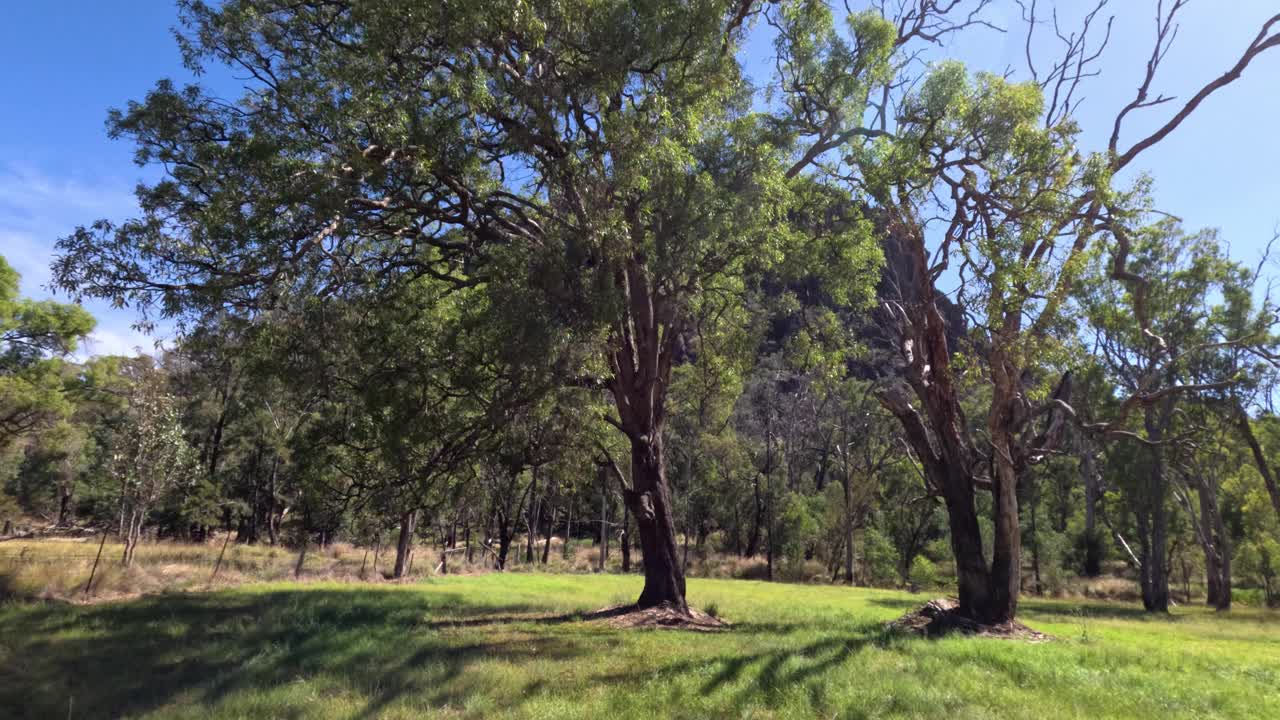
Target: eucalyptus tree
1199,310
34,337
980,181
605,152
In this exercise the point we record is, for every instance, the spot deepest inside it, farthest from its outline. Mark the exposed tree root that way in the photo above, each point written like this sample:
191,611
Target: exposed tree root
940,617
630,616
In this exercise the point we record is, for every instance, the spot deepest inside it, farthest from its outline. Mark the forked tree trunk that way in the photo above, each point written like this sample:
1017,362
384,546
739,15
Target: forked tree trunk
408,521
643,346
1153,516
927,404
1216,544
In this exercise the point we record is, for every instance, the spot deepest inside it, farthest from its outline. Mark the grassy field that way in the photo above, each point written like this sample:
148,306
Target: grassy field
511,645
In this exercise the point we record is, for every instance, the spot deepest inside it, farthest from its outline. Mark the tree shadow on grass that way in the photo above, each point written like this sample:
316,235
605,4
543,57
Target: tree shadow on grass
767,675
129,658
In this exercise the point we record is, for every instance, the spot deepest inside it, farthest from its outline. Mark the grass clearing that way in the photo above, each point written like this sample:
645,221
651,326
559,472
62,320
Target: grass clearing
510,645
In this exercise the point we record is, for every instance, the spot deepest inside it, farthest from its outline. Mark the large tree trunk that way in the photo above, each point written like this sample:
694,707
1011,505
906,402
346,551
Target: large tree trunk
408,521
1006,556
927,404
664,583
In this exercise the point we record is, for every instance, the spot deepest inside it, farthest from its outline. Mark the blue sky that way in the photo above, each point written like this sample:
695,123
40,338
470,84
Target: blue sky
62,66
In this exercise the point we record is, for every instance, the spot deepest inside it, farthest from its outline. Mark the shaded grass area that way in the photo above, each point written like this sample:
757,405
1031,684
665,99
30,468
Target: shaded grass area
514,646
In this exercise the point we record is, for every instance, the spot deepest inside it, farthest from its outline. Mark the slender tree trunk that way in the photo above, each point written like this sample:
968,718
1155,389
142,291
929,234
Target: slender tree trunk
273,522
218,565
768,548
687,472
96,560
466,537
1035,550
546,547
1092,494
737,532
1259,457
132,536
604,518
568,532
757,520
1153,517
625,538
408,522
848,528
531,516
302,557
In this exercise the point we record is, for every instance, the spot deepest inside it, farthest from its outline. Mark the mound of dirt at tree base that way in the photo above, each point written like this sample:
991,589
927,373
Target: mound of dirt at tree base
942,617
663,617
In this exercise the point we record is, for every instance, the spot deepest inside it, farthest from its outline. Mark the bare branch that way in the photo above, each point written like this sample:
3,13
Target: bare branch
1267,38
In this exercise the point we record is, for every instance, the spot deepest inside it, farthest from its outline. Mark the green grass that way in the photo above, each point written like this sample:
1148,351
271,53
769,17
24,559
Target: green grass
509,645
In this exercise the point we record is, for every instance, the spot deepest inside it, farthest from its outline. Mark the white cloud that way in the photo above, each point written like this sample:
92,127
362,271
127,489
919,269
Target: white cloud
106,340
37,208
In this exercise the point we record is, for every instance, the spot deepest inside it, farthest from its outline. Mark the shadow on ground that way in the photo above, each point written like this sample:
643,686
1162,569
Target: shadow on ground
127,658
193,650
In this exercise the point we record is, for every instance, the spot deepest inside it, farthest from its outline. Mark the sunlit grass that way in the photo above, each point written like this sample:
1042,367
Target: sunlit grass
510,645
